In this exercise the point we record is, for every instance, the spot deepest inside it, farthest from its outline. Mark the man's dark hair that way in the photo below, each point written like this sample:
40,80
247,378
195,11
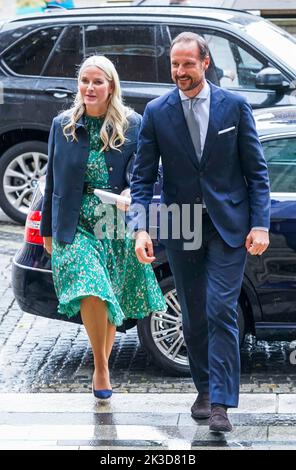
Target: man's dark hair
193,37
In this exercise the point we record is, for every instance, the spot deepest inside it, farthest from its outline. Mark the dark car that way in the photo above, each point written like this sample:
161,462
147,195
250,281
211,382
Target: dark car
267,304
39,57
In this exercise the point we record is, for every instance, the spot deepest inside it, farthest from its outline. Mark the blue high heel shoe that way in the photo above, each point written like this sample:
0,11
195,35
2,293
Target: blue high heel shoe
102,394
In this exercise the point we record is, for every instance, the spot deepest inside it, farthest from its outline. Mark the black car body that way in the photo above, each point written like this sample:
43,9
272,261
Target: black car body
40,54
267,304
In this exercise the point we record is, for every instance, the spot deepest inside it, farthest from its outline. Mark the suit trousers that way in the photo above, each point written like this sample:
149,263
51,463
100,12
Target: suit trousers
208,283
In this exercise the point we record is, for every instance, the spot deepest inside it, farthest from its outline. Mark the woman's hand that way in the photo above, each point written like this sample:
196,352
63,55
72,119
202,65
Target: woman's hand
124,207
47,243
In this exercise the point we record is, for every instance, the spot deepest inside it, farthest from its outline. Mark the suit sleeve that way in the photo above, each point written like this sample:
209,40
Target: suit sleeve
145,171
46,225
254,169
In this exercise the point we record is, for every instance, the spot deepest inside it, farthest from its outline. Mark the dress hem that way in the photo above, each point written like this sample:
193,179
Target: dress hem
139,316
83,296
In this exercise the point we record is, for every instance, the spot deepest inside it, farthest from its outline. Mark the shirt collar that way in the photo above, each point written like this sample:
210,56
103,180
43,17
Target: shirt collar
203,94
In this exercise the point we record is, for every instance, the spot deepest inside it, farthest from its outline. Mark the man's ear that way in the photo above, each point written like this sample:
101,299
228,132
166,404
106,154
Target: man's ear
206,62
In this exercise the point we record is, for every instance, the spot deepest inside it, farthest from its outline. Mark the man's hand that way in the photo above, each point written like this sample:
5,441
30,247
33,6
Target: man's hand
257,242
144,247
47,243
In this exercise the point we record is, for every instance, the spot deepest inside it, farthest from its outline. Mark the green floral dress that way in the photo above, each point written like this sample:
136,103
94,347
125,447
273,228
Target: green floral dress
98,265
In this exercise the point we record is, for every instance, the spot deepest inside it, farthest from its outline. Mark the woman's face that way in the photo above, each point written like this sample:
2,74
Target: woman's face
95,90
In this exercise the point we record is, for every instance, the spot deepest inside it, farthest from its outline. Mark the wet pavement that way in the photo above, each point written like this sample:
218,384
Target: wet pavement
43,361
41,355
141,421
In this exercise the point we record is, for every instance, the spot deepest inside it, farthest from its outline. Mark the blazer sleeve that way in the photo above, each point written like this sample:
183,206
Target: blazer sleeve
145,172
46,224
254,168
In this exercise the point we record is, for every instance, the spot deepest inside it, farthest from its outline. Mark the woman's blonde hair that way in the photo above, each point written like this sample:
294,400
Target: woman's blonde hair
115,122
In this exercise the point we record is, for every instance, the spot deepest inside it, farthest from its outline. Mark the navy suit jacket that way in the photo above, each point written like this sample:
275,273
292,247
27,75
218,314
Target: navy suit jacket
65,175
231,177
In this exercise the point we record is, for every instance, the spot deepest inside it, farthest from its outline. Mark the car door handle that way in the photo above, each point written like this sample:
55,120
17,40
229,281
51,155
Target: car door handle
59,92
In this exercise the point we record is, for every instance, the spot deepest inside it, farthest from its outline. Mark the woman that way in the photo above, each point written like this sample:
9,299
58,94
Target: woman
90,146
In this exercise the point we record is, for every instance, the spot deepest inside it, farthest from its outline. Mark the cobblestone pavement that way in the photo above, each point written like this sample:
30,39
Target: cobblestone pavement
37,354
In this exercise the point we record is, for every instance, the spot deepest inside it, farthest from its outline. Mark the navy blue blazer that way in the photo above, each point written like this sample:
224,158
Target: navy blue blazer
65,175
231,177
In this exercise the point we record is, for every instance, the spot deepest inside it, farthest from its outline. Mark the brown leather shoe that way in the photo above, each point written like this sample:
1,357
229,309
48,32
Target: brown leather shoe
219,421
201,408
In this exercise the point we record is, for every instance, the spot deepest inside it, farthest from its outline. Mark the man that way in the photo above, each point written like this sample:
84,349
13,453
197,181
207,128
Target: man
210,155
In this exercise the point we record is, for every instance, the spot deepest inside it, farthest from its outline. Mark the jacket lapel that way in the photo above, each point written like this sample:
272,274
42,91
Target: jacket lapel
80,122
215,120
176,116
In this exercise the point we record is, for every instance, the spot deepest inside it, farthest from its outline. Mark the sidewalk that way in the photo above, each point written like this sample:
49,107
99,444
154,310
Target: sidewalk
141,421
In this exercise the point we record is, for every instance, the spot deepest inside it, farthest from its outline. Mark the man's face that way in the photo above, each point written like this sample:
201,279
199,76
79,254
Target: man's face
187,69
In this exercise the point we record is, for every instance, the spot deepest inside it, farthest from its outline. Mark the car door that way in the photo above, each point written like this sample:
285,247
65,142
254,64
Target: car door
274,274
22,64
234,65
57,83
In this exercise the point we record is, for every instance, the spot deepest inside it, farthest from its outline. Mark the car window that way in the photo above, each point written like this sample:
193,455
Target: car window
67,55
280,155
132,49
10,33
232,65
28,56
235,66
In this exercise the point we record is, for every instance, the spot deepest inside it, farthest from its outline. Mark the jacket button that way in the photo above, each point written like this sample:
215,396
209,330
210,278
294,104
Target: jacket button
110,168
115,187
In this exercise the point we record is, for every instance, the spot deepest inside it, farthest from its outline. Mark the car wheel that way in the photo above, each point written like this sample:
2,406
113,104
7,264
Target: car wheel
161,334
21,167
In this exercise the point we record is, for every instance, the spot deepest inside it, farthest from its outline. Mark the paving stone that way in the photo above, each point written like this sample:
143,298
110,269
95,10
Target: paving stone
287,403
282,433
75,420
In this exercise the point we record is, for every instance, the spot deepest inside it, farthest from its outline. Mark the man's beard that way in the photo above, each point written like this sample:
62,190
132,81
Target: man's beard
191,86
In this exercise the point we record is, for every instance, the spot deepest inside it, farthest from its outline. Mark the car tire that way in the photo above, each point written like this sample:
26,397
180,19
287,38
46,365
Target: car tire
33,158
149,326
147,332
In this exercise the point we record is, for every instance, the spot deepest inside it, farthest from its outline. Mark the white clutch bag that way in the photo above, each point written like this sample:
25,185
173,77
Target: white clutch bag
111,198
